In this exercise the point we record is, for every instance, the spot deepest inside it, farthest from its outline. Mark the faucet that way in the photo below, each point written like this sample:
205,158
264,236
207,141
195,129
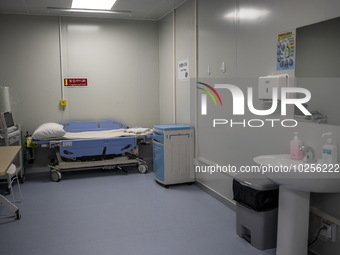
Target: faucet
309,152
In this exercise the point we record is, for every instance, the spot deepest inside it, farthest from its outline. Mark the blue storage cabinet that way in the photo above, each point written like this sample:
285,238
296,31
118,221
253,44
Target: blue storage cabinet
173,152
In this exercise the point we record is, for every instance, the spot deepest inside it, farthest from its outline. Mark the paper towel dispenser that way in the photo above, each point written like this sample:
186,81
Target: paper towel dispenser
267,83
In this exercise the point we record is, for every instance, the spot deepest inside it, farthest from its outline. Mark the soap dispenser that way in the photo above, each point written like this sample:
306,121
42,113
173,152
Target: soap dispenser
329,150
295,144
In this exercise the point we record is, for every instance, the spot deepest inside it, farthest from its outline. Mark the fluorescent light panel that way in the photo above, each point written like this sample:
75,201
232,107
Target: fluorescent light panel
93,4
247,14
57,10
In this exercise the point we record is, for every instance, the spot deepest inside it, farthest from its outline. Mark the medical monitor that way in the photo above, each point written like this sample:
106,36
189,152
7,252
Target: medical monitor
6,121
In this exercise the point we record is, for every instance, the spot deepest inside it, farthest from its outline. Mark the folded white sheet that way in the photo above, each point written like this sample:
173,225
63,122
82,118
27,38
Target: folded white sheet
138,130
106,133
94,134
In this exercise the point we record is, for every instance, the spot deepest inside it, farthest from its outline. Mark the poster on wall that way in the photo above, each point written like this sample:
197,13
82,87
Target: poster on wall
183,70
285,51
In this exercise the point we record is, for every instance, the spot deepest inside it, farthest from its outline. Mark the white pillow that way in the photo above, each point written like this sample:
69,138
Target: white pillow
49,130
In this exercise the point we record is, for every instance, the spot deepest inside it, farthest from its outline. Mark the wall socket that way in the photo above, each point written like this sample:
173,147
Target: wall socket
328,234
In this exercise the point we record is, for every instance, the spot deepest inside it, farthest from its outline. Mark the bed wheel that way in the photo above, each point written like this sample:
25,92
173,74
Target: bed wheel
17,215
55,175
142,168
22,179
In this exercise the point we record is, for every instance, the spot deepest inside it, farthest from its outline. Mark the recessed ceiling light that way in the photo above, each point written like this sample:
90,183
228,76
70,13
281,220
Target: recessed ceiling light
93,4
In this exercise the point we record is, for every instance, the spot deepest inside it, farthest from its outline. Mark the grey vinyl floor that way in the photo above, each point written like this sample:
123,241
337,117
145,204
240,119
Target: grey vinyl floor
108,212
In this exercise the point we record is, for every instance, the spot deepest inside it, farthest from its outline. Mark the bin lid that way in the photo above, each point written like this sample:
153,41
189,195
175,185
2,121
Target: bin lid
169,127
256,181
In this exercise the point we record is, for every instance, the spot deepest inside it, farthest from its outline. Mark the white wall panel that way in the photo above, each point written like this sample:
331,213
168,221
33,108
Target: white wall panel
119,58
252,47
166,69
185,50
29,66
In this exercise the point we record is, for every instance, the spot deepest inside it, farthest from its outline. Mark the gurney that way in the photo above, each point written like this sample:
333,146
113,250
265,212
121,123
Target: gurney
95,145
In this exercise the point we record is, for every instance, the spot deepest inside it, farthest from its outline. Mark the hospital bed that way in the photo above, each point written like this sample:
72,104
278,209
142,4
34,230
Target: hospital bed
105,144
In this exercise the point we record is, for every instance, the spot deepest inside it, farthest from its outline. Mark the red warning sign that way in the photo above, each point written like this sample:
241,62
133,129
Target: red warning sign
75,82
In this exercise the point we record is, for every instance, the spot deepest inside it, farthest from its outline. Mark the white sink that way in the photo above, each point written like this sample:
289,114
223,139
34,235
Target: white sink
296,179
299,175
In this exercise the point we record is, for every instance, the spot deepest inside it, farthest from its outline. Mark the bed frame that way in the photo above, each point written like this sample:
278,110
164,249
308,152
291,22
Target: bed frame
102,153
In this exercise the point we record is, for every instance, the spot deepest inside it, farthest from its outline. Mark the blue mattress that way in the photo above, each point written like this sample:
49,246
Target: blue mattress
93,147
96,147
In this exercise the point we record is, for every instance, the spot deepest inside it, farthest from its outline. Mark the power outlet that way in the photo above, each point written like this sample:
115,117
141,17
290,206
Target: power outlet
328,234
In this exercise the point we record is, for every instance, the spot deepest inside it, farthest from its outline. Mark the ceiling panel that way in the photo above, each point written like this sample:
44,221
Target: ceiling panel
140,9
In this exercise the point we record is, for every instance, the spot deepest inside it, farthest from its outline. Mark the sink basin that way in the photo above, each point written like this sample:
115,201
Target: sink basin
296,179
299,175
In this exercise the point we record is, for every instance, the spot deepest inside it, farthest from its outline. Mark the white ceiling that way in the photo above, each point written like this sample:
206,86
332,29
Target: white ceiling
140,9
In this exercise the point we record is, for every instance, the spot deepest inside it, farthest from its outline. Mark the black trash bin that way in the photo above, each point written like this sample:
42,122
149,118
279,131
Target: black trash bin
256,209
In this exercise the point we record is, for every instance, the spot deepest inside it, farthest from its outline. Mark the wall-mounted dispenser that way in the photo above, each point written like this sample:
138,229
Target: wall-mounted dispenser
267,83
